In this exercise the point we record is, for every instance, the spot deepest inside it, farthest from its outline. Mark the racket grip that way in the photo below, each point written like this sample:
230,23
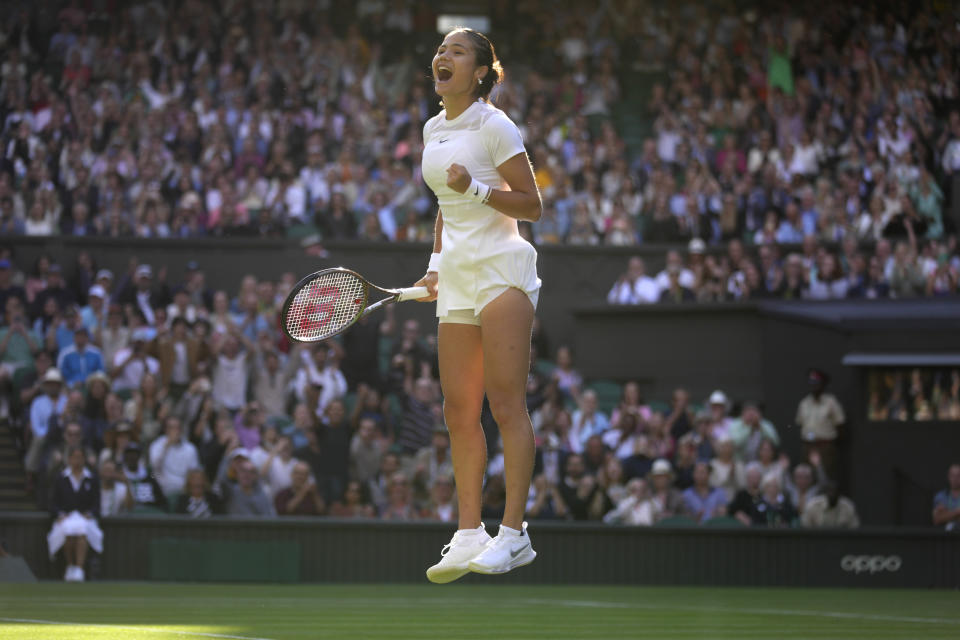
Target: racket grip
412,293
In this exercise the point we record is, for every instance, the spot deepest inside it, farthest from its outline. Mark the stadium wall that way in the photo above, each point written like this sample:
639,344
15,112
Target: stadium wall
332,551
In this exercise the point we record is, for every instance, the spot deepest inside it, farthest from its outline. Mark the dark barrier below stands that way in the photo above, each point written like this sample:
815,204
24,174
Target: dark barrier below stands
305,550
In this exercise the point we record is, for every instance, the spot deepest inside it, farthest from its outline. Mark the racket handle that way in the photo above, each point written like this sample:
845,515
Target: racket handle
412,293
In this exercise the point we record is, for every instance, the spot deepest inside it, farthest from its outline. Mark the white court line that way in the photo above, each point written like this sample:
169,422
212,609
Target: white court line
785,612
201,634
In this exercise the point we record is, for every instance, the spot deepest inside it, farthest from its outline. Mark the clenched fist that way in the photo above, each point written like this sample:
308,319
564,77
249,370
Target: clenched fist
458,178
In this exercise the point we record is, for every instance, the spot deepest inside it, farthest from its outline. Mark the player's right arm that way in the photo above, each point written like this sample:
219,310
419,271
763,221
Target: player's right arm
431,279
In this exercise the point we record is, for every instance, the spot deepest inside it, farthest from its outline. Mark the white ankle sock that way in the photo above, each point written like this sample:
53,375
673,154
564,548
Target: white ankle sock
472,532
513,532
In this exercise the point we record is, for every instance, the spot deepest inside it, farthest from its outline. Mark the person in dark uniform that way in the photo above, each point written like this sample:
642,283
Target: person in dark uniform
76,507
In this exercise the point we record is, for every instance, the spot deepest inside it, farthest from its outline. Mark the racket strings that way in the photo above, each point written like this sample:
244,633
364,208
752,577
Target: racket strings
326,305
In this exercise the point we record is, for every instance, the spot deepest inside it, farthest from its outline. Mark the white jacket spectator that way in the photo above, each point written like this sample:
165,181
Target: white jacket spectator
171,457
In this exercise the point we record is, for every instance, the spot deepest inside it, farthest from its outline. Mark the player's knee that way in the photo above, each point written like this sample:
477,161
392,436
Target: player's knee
508,409
459,414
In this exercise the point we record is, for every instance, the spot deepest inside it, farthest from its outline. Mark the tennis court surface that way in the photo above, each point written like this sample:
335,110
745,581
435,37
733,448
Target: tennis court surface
137,611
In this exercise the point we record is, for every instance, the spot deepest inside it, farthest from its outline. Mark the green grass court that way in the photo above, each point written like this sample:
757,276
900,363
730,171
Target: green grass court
151,611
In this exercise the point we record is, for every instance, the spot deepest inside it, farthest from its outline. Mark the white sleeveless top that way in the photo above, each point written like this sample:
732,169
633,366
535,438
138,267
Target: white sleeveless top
482,254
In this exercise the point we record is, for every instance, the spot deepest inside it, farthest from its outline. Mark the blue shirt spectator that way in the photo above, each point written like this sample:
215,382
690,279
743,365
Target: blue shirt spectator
946,504
701,501
44,406
587,421
80,359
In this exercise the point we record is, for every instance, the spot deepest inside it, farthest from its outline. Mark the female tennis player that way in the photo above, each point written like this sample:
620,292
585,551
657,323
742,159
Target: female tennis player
483,276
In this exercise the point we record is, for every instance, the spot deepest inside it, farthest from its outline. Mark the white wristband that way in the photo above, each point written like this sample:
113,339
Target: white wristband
478,192
434,264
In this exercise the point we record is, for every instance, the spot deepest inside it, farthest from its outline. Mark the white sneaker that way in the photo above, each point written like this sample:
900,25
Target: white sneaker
505,552
81,576
465,545
72,574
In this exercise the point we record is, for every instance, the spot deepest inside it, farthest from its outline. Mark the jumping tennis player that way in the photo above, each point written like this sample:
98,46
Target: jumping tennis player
483,275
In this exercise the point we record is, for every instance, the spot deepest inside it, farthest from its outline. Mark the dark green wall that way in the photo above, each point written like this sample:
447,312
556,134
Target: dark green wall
359,551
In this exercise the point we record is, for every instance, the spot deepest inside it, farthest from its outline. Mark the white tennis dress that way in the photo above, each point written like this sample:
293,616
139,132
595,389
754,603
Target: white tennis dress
482,254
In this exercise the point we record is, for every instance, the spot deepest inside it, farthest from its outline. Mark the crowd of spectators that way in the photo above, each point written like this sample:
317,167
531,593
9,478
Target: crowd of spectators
812,271
188,119
817,126
914,394
186,400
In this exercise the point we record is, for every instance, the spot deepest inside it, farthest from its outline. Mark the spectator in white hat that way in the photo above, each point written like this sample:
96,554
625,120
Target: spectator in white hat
51,402
720,422
667,501
94,314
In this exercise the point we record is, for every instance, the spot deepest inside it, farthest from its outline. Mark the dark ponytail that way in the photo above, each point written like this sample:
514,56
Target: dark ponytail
485,55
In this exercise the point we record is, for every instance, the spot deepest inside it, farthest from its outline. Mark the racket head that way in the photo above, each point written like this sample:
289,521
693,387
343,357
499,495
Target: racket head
323,304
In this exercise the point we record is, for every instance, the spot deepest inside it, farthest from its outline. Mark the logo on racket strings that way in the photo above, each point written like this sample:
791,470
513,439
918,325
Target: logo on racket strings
318,310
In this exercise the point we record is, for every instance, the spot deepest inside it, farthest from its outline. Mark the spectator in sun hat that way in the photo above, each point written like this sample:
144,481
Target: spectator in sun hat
819,416
666,500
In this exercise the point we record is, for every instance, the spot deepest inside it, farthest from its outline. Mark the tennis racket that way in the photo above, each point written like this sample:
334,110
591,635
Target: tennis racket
326,302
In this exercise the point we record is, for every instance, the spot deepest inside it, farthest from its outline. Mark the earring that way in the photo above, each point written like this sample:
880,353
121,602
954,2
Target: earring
480,81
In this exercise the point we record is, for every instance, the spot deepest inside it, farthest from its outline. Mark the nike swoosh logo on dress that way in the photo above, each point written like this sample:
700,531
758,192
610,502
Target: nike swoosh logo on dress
442,141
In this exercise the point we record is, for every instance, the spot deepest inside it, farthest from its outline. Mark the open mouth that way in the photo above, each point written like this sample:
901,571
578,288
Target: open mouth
444,74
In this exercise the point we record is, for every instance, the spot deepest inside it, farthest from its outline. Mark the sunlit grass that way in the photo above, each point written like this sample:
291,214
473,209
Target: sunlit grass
481,609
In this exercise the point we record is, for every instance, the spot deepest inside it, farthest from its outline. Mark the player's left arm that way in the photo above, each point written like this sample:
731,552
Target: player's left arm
522,201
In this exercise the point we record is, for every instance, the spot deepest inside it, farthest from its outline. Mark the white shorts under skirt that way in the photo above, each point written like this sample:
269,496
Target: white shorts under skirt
468,316
75,524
